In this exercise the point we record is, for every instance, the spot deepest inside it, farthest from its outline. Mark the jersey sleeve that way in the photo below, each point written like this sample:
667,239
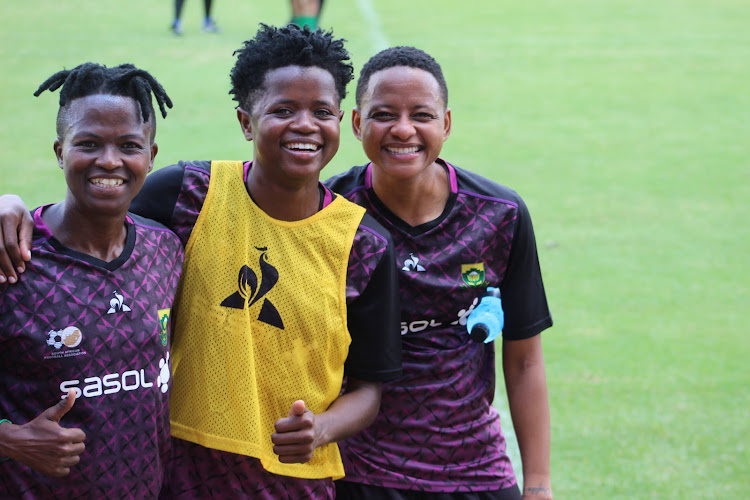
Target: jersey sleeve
158,196
522,289
373,314
174,196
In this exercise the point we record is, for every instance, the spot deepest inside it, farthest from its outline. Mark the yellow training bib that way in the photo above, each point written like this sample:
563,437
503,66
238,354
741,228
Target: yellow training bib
260,322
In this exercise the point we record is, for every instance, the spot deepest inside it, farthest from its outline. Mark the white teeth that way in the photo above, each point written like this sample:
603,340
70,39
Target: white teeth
403,151
303,146
107,182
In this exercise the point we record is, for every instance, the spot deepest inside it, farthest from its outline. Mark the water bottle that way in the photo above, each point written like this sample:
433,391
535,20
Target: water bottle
486,321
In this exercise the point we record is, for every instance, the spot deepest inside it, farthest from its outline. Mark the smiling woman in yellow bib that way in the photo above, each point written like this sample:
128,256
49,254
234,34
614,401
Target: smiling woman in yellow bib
287,287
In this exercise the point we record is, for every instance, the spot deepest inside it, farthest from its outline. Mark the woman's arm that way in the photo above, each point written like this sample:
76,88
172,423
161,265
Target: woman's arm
301,432
526,383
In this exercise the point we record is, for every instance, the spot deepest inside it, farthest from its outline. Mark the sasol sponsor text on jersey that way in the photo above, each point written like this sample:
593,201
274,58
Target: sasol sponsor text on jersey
113,383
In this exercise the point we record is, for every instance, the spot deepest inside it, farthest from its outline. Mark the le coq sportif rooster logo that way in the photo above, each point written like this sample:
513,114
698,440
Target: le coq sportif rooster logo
249,291
412,264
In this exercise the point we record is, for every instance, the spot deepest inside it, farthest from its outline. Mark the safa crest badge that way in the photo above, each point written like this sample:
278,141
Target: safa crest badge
473,274
163,315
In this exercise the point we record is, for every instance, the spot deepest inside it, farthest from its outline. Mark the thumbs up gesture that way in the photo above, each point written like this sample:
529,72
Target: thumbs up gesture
295,438
43,444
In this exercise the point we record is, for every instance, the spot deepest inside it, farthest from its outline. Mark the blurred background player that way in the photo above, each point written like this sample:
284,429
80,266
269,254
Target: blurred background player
437,435
84,383
306,12
209,26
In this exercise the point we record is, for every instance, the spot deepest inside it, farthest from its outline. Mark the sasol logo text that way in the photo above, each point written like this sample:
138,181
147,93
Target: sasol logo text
418,326
423,324
112,383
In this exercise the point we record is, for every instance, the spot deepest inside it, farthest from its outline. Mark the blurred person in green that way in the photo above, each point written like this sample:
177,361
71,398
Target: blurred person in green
306,12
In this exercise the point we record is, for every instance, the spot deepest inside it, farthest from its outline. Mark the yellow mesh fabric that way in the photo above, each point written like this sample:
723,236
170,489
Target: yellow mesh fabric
236,370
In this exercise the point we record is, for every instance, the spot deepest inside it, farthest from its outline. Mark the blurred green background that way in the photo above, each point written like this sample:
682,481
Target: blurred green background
624,124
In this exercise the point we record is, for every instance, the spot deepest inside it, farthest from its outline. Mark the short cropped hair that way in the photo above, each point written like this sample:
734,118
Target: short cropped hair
274,48
401,56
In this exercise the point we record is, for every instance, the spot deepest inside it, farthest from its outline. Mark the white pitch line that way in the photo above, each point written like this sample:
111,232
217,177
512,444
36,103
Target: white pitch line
377,36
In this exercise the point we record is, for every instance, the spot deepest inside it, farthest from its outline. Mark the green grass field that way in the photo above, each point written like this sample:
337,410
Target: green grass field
625,125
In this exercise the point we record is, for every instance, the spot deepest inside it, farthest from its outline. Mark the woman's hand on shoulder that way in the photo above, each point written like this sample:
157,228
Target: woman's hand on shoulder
16,228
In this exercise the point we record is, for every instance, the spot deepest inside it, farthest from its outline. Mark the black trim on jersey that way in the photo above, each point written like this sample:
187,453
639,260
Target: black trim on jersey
158,196
112,265
345,189
404,226
519,285
374,320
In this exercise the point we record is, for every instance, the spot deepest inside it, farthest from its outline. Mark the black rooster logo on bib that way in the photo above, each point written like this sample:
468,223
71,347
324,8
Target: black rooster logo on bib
249,291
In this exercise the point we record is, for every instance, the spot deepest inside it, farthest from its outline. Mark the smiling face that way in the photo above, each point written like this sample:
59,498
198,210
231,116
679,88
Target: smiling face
294,125
106,151
402,121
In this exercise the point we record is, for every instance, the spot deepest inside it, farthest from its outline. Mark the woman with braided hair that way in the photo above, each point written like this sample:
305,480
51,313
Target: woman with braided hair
84,343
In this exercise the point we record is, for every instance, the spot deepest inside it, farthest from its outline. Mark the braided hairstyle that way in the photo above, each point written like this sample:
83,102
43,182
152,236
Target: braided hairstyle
274,48
401,56
94,79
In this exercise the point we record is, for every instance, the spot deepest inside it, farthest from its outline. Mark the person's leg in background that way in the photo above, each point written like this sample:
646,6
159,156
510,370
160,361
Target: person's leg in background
306,12
177,23
209,26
